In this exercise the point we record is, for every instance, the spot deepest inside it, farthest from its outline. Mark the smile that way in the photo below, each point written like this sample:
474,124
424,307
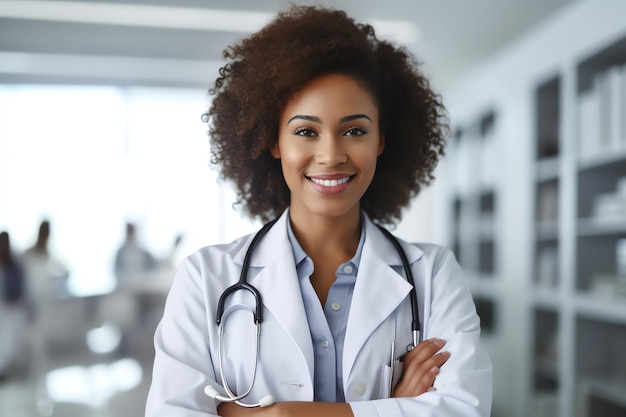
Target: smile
331,183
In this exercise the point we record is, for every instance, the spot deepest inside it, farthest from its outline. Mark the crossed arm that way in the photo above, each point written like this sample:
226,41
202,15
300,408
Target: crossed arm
421,366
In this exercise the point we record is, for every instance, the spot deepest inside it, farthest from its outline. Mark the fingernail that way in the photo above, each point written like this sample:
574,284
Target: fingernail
434,370
446,353
432,389
439,342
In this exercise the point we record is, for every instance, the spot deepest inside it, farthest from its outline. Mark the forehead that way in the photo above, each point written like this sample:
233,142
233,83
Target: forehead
332,93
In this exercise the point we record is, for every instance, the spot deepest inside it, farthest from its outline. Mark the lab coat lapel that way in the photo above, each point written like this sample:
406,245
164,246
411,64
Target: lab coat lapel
278,284
378,291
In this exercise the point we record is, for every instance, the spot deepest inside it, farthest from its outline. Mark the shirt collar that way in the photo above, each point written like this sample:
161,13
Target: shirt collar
299,255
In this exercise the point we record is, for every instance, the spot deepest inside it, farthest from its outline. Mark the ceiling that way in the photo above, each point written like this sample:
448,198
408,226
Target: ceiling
161,42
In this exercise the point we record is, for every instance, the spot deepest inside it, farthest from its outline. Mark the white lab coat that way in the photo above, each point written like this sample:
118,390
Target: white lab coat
186,341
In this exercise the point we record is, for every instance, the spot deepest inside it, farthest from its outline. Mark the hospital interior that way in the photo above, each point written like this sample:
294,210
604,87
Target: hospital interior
106,185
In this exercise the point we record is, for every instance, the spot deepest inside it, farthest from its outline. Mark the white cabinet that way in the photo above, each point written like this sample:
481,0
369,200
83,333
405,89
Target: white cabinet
535,186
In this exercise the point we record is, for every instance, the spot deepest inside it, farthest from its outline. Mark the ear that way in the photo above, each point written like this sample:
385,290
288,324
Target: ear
381,145
275,150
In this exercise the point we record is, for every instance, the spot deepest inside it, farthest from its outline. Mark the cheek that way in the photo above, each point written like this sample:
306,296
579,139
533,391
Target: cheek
293,156
368,159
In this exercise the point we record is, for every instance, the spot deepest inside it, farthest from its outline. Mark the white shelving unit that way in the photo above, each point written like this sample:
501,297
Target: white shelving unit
475,188
549,273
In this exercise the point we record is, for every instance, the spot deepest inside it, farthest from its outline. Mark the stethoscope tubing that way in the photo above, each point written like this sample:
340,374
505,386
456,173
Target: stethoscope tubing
243,284
257,314
415,322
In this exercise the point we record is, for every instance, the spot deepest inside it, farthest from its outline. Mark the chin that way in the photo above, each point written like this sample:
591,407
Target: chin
332,211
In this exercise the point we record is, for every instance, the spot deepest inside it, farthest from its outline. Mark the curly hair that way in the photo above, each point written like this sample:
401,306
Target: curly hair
266,69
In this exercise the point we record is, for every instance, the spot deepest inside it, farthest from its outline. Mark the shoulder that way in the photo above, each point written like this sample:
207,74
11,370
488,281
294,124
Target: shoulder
213,255
433,250
435,255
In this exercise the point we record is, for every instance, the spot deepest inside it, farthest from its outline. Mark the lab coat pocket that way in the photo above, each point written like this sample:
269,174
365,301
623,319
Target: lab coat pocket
389,378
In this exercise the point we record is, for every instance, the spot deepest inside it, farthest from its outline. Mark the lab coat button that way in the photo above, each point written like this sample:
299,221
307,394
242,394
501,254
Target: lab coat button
358,389
336,306
348,269
325,344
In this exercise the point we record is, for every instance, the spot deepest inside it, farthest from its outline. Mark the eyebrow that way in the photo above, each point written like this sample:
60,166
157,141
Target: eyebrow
318,120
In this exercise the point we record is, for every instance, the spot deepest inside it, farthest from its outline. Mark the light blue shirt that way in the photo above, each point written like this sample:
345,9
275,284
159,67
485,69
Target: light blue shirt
327,325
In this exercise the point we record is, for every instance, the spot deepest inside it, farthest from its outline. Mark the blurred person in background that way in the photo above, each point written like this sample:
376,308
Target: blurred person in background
46,285
133,262
166,267
12,309
128,306
46,276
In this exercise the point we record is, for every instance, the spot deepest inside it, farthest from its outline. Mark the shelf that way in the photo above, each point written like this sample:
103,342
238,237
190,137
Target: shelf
602,190
614,54
547,368
609,389
601,159
482,285
599,258
548,116
548,168
547,230
474,207
544,404
601,307
547,205
546,298
601,227
486,308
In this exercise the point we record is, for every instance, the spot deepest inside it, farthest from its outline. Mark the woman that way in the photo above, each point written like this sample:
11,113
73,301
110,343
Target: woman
327,128
12,311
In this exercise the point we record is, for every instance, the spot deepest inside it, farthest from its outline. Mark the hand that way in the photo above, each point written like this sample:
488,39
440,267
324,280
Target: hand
421,366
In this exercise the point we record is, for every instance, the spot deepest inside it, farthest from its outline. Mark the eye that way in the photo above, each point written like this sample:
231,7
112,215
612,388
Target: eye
355,131
304,131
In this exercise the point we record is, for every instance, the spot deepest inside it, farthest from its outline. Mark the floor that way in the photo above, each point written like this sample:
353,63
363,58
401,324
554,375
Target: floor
90,370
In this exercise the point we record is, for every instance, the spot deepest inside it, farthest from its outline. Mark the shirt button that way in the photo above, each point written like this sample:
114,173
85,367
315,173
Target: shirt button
336,306
325,344
348,269
358,389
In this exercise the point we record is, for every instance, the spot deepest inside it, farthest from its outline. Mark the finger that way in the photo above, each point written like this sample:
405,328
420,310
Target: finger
424,350
414,385
437,360
418,378
422,361
428,367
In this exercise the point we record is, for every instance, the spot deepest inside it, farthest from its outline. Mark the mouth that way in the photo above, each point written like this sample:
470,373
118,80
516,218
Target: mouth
331,182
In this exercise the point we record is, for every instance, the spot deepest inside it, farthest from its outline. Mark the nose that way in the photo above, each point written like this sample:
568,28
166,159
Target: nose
330,151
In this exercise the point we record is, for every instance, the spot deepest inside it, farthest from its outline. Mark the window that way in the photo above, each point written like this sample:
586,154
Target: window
91,158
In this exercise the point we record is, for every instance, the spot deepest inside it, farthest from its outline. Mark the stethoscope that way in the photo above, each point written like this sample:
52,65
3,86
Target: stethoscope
257,313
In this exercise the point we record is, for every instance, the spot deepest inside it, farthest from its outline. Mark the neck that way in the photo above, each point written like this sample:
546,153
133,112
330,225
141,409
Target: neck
320,236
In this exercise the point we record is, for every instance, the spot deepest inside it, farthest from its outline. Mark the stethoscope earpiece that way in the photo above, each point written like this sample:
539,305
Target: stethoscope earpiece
266,401
211,392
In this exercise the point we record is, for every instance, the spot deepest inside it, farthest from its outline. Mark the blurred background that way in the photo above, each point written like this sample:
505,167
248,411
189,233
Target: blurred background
105,185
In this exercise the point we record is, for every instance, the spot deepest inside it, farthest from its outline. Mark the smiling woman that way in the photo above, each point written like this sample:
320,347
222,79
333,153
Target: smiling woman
337,130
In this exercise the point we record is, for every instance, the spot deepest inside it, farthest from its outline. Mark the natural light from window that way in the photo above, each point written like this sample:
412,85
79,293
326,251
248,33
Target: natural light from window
91,158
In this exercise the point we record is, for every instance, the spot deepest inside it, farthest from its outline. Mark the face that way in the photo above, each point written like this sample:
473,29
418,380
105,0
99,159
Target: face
329,141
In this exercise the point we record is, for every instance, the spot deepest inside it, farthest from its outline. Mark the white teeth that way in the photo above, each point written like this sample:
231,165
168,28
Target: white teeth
330,183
